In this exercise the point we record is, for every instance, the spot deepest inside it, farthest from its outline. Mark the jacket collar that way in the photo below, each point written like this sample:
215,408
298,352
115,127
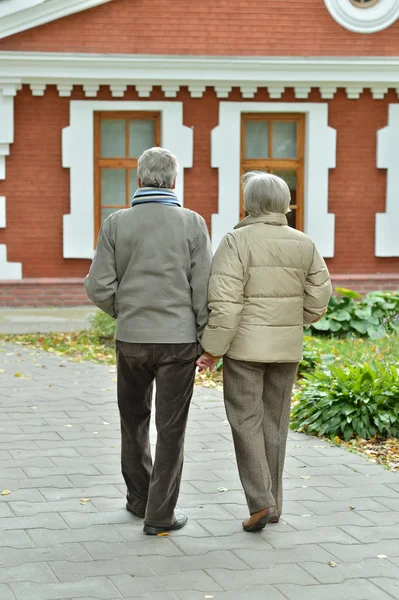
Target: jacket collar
272,218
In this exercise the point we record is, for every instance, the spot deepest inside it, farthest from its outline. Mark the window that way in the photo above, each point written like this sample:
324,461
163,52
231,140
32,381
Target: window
275,143
364,3
119,140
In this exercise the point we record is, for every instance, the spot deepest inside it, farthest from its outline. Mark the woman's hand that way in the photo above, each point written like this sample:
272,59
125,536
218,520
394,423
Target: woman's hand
207,361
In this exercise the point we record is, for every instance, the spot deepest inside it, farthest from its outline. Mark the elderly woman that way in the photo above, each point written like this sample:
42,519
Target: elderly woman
267,281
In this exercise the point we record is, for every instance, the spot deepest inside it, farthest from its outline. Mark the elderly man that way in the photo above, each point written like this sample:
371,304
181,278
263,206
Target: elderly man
151,272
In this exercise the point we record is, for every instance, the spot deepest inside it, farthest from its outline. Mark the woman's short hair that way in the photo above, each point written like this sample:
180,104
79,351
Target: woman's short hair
157,167
265,193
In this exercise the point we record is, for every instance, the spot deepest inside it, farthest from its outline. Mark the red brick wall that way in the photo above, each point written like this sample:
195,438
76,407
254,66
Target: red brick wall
37,187
226,27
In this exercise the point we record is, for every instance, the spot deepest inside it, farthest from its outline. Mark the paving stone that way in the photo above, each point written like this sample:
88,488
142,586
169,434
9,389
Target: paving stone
49,452
306,521
36,573
48,521
389,585
307,553
391,503
15,539
328,508
49,538
96,587
355,589
209,511
372,534
14,557
222,559
237,540
265,592
324,573
5,510
93,492
297,538
6,593
33,472
34,508
388,519
74,519
112,566
240,511
143,586
358,552
39,483
269,574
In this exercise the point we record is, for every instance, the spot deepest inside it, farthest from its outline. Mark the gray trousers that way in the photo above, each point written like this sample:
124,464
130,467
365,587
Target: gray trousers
153,489
258,399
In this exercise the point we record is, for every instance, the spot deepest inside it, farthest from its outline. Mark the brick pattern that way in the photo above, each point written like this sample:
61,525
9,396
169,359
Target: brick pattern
226,27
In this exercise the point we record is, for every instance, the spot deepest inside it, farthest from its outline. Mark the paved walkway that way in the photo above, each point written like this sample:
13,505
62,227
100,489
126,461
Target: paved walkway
59,443
45,319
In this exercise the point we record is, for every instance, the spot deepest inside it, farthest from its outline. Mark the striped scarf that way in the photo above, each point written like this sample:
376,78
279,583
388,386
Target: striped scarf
150,195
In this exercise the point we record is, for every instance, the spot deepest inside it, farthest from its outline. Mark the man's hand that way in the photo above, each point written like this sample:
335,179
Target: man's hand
207,361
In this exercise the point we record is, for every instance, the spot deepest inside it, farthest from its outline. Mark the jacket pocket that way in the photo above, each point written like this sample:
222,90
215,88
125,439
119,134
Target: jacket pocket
128,348
185,352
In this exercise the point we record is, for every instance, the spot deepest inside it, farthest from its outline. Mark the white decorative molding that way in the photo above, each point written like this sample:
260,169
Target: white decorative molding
387,223
3,220
353,92
118,89
170,90
223,91
378,92
143,90
37,89
366,19
65,89
302,91
328,92
196,90
19,15
91,89
248,91
275,91
172,72
320,146
8,270
78,156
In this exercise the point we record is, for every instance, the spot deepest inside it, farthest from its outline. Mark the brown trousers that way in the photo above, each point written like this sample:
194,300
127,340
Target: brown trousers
258,400
153,490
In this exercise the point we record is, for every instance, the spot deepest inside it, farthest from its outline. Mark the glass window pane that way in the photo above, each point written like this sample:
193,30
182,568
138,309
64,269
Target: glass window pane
113,187
284,139
113,138
105,212
256,139
289,177
142,134
133,184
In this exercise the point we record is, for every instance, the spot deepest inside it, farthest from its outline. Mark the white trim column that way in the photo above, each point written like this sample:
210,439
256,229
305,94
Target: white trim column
8,90
320,146
78,156
387,223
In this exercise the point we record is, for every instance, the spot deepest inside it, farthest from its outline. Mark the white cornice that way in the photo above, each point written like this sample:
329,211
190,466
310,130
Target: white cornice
49,67
19,15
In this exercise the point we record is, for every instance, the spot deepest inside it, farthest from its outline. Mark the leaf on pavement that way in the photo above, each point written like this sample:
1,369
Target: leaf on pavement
332,564
84,500
5,492
222,489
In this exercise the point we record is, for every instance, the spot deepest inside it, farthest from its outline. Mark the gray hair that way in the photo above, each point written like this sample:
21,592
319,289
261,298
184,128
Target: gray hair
265,193
157,167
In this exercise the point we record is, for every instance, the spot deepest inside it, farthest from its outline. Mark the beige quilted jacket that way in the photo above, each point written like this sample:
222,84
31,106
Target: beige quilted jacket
267,281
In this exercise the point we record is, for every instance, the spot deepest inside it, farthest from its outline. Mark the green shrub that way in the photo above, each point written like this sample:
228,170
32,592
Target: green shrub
373,315
102,325
349,401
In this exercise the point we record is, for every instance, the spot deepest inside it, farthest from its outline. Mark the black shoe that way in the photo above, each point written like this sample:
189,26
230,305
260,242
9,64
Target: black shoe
180,522
135,513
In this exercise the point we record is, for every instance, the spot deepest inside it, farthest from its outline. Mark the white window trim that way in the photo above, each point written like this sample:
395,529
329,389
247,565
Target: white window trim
78,156
20,15
363,20
320,145
386,224
8,89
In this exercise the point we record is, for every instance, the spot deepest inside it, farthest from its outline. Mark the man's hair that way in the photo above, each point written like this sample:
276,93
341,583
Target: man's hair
157,167
265,193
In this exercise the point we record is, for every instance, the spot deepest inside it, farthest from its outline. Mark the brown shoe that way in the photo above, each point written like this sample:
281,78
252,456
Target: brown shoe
259,520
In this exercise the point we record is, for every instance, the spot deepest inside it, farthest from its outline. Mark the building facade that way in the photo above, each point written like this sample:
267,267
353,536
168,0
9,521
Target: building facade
307,90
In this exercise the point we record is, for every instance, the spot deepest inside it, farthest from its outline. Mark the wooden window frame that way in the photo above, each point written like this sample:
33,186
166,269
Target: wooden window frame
117,163
271,164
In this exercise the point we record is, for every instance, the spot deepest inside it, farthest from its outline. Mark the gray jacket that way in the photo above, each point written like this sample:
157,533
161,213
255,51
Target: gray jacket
151,271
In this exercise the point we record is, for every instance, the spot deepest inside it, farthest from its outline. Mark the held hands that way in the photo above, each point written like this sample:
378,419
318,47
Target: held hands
207,361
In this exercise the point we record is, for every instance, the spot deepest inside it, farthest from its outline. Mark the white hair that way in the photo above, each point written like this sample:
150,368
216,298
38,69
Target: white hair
265,193
157,167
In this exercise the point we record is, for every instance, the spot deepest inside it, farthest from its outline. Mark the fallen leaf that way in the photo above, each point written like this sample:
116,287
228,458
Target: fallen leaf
305,476
222,489
208,597
95,432
382,556
163,534
352,507
332,563
114,381
5,492
85,500
18,374
105,423
68,425
34,407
